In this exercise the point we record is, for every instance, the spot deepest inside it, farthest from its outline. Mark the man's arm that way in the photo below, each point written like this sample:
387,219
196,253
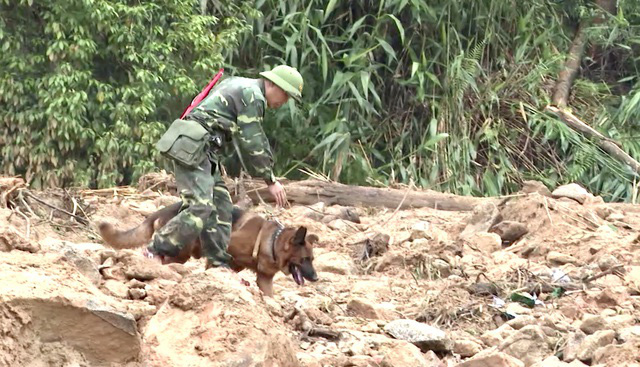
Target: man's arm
252,141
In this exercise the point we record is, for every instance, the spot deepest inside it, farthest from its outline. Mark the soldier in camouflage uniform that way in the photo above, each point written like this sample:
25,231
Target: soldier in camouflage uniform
228,120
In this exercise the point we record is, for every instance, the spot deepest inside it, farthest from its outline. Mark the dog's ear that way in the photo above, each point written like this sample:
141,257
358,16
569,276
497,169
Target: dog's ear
301,233
312,238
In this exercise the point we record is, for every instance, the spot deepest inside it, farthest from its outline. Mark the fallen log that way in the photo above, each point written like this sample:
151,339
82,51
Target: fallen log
607,144
309,192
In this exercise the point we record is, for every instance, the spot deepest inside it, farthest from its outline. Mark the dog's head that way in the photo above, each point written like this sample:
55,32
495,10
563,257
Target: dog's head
298,259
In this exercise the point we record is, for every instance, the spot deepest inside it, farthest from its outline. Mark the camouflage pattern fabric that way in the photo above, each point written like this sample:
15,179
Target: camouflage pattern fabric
206,212
217,229
234,109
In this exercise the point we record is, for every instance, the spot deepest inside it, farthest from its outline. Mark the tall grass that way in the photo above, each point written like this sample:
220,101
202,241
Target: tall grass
448,94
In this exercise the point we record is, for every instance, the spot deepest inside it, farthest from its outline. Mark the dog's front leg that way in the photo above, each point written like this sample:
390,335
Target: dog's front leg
265,283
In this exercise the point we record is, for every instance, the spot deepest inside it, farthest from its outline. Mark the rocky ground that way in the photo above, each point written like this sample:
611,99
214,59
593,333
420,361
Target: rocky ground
540,279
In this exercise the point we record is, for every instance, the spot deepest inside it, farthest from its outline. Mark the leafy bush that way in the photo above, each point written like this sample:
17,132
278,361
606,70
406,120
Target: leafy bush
88,86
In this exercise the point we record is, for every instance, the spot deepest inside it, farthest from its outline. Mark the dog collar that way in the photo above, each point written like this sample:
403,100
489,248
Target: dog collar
274,238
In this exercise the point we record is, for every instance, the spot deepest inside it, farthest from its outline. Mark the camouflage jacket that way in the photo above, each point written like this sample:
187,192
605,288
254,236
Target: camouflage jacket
235,107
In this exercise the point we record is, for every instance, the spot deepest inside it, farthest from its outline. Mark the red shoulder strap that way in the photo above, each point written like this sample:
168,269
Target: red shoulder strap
203,94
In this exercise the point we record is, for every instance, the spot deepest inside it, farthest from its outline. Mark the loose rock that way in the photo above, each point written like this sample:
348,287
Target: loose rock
403,355
632,278
553,361
522,321
492,359
487,243
572,191
145,269
137,293
592,323
592,342
618,322
483,217
629,333
531,186
116,288
340,212
618,355
424,336
572,347
340,225
612,297
75,257
316,315
364,308
420,230
315,211
135,283
466,348
495,337
606,262
528,344
509,231
560,258
10,239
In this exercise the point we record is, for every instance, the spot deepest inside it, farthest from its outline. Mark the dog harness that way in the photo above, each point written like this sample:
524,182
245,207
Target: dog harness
272,241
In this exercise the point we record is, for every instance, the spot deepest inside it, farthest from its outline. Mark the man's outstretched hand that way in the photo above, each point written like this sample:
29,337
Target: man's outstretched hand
277,191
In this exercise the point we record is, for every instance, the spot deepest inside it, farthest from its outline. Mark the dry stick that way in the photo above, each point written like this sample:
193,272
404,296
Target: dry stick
406,193
79,218
315,210
579,215
158,184
334,301
612,270
80,207
24,202
28,231
6,194
75,205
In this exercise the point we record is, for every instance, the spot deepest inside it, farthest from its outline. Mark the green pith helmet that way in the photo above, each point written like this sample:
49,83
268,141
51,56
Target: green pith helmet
287,78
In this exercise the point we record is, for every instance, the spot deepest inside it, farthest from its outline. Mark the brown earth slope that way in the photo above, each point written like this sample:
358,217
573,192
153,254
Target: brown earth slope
415,287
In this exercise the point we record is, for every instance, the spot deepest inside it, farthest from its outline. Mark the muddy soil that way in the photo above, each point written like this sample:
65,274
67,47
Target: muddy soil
538,280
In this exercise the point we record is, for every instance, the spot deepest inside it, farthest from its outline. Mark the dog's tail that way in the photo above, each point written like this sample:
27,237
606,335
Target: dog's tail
140,235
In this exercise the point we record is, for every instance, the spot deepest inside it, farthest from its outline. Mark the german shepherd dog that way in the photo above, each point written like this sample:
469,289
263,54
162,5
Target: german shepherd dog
263,246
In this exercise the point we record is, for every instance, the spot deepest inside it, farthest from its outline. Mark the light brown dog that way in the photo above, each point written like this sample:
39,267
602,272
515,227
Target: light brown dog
263,246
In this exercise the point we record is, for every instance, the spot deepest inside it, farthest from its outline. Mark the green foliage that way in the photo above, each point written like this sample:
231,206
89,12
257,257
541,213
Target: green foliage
448,94
88,86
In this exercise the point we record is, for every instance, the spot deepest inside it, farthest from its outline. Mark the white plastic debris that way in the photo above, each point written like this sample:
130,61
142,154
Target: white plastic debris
559,276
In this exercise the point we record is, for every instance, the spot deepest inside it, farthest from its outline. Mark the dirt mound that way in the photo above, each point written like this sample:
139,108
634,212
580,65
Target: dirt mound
50,314
212,319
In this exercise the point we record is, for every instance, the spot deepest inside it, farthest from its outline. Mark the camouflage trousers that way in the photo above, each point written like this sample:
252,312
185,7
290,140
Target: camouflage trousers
206,212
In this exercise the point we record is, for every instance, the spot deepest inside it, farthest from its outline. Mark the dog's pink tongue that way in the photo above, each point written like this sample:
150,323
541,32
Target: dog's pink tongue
297,276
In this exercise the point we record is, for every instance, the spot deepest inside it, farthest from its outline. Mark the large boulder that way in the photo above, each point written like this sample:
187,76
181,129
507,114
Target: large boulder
212,319
50,314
